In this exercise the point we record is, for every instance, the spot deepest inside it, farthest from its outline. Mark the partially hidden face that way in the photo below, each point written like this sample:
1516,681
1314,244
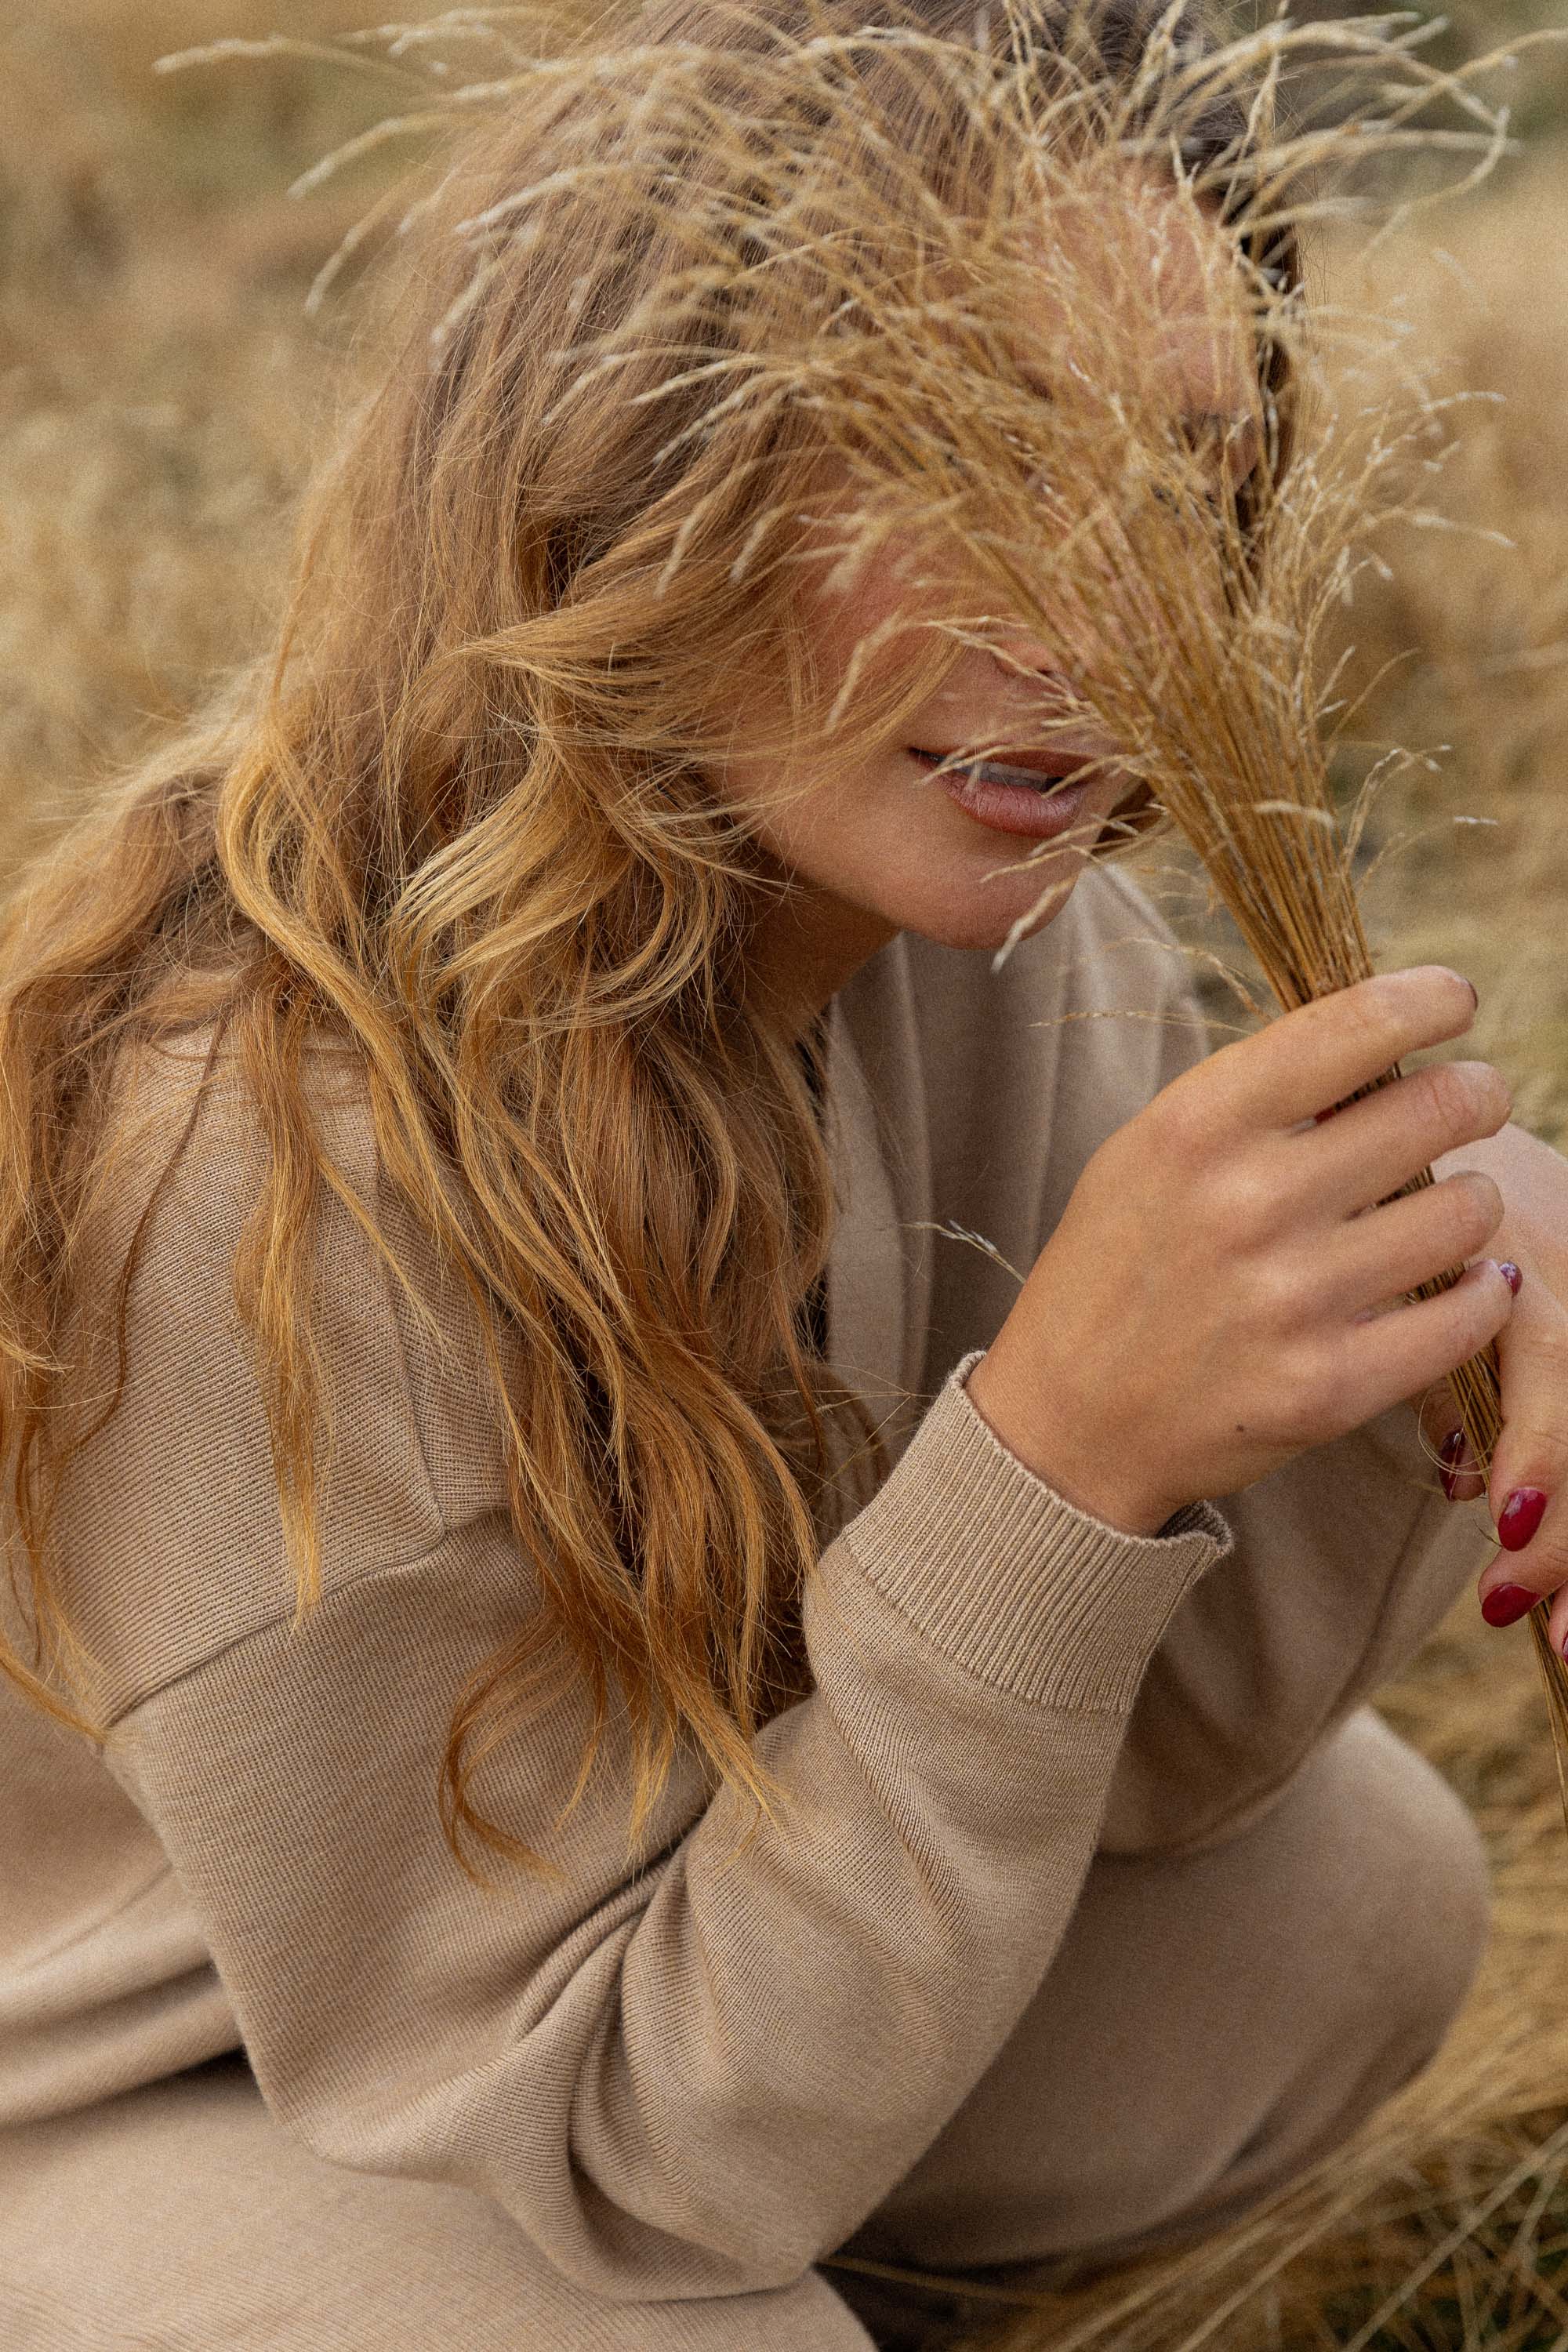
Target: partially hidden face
964,859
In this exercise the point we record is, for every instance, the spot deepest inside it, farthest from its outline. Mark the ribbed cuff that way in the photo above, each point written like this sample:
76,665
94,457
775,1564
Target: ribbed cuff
1013,1581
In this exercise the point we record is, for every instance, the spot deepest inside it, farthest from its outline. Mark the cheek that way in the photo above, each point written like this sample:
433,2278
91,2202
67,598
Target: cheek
881,590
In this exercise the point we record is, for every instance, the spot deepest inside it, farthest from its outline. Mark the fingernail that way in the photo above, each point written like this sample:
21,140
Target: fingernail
1511,1276
1507,1603
1522,1515
1475,992
1450,1454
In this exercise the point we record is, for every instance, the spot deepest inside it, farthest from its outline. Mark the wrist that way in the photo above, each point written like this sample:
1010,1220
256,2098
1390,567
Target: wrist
1082,1476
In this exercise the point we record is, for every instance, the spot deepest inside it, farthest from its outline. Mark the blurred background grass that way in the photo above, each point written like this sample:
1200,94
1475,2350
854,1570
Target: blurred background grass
161,393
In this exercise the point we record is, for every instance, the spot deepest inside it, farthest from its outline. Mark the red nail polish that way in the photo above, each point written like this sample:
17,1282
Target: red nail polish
1508,1603
1450,1454
1522,1515
1511,1276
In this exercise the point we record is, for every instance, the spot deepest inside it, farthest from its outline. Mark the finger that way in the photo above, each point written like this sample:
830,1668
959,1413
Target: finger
1445,1446
1386,1252
1377,1145
1324,1052
1528,1491
1557,1625
1396,1356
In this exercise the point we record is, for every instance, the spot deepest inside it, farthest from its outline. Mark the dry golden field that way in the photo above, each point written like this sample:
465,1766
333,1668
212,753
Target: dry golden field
161,391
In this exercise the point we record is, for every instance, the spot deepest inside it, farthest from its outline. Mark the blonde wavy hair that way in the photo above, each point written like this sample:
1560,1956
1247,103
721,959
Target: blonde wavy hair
467,818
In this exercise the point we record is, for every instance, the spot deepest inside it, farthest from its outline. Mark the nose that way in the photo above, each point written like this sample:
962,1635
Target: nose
1049,665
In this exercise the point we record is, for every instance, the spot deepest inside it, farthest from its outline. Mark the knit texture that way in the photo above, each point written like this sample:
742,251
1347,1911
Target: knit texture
1029,1592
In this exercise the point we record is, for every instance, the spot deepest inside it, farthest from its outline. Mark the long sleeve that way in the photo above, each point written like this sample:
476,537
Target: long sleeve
684,2072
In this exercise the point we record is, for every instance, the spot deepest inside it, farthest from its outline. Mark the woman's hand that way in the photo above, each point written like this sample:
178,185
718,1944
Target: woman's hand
1224,1290
1531,1458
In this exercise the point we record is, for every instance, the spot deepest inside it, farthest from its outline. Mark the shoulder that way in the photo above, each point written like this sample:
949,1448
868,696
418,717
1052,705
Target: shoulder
191,1156
170,1536
186,1174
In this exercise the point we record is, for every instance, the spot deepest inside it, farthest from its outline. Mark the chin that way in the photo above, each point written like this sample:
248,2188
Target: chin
952,920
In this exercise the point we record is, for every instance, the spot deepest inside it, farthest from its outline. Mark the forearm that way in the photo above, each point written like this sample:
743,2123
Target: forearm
696,2077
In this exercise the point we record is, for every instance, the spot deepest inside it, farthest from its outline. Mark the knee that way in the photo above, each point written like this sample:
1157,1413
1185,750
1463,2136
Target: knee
1417,1909
1380,1890
1214,2023
1405,1892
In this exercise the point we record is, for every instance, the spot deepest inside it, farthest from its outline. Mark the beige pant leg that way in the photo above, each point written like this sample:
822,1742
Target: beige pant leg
182,2218
1213,2023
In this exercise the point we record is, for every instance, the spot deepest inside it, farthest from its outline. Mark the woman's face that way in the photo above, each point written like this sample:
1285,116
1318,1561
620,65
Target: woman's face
886,849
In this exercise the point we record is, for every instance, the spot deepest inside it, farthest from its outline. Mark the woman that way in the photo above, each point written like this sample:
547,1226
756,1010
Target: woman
462,1402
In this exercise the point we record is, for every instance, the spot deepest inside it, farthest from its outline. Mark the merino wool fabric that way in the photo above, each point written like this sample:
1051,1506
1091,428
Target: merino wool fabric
687,2073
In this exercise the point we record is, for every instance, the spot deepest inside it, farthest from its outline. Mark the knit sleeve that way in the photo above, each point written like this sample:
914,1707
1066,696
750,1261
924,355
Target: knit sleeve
685,2069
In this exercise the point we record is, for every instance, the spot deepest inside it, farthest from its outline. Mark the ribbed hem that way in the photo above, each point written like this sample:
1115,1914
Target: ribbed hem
1013,1581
